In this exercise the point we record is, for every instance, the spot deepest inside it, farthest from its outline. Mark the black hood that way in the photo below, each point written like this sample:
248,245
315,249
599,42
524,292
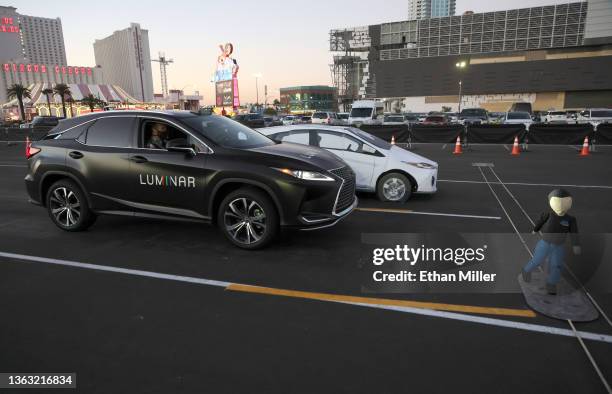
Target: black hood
309,154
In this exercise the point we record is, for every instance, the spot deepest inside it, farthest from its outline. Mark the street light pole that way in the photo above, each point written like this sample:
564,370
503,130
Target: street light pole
257,89
257,76
460,66
460,84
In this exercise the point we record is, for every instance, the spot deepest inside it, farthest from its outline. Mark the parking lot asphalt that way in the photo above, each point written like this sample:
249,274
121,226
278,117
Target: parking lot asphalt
125,332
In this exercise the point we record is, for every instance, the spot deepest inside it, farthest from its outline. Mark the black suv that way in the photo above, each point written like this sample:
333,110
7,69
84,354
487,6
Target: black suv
186,165
253,121
44,123
473,116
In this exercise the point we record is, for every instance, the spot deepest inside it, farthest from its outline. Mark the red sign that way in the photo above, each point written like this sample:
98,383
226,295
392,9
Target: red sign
6,25
41,68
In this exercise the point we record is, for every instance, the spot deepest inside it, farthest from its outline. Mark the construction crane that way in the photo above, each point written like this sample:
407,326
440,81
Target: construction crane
163,62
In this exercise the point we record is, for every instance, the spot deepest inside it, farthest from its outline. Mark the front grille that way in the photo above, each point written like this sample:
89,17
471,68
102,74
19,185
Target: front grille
346,194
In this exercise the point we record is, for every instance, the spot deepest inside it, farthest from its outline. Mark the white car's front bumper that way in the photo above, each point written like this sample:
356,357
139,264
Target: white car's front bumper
427,181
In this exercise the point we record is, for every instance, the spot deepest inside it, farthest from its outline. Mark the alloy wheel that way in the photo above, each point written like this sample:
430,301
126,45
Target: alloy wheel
394,189
65,206
245,220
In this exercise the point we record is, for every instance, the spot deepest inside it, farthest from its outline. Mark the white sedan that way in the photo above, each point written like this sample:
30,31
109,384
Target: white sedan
518,118
556,117
389,171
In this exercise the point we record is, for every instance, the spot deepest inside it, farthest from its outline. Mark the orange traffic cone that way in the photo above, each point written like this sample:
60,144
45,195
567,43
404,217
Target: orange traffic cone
392,140
458,150
516,150
585,147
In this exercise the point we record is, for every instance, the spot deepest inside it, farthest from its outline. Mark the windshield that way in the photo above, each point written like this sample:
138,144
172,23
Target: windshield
394,118
473,112
320,115
226,132
557,113
434,119
343,116
361,112
518,115
379,143
602,114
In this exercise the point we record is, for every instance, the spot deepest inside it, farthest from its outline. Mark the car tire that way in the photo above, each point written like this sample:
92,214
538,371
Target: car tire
68,207
394,187
248,218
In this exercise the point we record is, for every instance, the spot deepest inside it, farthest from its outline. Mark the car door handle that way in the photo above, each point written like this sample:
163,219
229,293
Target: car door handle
138,159
75,155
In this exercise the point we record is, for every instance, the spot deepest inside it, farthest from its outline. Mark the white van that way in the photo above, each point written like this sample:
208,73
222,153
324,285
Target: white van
366,112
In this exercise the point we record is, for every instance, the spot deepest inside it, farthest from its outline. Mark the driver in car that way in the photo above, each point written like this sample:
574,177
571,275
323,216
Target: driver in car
159,136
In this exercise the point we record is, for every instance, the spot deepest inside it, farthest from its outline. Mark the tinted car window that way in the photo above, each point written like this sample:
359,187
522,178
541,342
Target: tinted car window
602,113
518,115
226,132
474,112
320,115
114,132
74,132
361,112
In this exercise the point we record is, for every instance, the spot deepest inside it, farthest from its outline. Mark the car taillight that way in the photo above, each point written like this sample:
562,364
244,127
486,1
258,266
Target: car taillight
29,150
328,120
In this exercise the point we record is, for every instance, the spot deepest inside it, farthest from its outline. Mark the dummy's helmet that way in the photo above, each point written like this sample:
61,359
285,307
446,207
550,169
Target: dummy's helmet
560,201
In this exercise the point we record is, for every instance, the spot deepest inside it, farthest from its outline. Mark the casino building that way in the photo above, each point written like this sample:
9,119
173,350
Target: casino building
554,57
82,82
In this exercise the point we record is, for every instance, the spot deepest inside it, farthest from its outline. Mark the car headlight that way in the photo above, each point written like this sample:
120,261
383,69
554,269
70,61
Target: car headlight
306,175
421,165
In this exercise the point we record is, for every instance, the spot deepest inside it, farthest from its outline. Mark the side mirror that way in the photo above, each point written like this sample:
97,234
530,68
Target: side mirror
184,149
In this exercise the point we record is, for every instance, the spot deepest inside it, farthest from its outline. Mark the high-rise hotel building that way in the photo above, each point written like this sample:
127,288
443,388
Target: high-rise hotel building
126,60
31,39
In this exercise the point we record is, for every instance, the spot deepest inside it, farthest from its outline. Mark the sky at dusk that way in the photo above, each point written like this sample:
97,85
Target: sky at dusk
286,43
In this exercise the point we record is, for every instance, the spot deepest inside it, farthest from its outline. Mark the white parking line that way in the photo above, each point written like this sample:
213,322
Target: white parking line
416,311
527,184
13,165
411,212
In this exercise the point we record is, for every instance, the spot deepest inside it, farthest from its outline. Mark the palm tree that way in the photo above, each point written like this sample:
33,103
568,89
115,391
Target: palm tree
62,90
48,92
71,101
19,92
101,103
91,101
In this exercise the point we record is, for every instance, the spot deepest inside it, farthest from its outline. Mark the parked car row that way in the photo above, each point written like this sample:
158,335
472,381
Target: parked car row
296,119
476,116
